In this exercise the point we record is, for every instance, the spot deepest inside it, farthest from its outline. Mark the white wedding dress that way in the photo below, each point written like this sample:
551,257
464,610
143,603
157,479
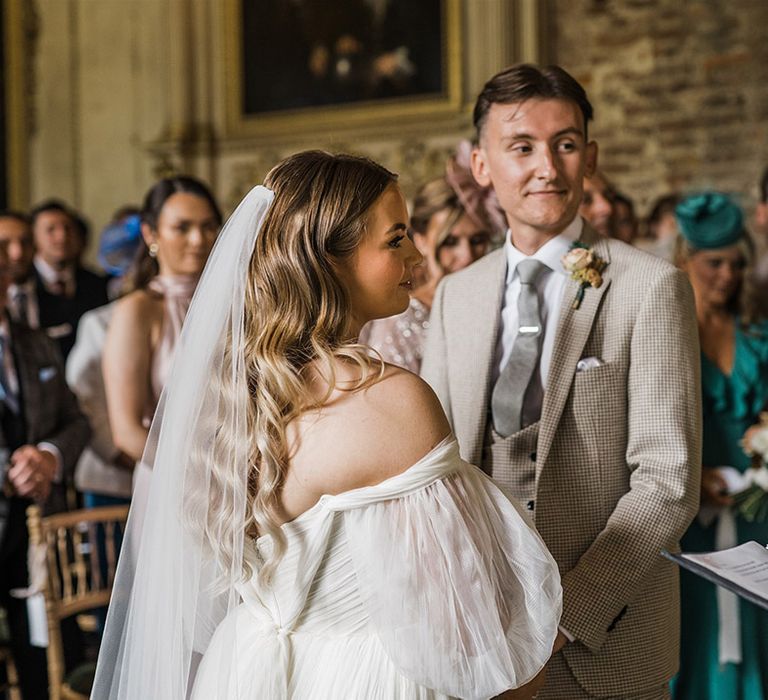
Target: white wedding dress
429,585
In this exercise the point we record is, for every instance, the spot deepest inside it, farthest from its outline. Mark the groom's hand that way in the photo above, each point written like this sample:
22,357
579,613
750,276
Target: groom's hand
560,641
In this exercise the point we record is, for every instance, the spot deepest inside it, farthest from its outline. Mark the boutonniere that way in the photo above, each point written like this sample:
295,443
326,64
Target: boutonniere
585,268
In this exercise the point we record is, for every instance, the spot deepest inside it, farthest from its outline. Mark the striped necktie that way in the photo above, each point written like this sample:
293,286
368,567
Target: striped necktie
6,395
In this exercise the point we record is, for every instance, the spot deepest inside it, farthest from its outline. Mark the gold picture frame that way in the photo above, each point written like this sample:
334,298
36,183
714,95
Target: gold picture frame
385,113
18,31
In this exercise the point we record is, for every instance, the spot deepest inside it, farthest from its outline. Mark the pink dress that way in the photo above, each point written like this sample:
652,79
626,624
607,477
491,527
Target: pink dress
176,292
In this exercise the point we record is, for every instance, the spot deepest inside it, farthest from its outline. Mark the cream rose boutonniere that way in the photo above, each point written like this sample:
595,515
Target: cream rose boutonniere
585,268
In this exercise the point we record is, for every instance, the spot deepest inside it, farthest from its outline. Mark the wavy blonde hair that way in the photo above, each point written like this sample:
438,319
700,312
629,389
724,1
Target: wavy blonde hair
297,313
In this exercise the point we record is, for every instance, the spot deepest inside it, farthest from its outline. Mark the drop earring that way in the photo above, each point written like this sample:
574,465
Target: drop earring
153,250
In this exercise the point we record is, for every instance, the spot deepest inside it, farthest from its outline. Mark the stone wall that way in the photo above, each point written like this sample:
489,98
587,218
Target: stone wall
680,90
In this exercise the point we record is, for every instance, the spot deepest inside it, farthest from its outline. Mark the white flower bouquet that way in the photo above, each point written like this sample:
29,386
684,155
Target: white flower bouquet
752,502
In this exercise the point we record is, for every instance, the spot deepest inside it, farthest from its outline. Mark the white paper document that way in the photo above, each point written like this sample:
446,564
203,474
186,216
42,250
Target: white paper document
742,569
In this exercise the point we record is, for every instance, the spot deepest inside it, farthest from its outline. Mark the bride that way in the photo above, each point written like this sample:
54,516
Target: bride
311,530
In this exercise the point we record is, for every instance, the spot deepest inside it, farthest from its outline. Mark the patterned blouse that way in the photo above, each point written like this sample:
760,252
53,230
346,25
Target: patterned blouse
400,339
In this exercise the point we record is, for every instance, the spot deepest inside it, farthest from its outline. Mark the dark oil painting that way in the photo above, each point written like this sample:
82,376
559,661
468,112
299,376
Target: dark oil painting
313,53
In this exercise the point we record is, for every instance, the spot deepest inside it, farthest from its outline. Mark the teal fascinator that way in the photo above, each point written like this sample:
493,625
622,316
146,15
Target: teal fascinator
710,220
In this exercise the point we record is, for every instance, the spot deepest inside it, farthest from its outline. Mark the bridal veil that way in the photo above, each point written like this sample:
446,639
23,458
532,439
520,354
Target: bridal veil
172,588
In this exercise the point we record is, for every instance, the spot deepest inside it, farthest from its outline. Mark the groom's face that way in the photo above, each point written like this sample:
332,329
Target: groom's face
536,155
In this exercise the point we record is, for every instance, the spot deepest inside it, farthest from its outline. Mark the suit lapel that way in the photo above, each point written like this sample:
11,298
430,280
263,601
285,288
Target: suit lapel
479,325
30,394
573,329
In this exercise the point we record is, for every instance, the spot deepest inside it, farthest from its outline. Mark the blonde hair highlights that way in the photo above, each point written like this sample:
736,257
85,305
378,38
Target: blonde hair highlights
296,318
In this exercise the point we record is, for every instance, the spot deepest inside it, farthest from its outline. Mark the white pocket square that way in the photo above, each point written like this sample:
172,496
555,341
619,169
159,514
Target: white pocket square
586,363
46,373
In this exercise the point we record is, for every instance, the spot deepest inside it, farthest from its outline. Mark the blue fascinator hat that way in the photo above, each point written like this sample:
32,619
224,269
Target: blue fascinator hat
118,244
710,220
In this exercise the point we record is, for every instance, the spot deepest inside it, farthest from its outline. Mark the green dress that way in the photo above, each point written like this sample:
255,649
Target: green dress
731,404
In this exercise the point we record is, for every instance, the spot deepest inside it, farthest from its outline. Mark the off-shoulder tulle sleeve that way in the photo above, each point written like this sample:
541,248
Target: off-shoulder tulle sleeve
460,589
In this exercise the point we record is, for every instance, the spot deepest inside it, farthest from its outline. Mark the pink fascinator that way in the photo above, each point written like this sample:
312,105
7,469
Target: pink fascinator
480,203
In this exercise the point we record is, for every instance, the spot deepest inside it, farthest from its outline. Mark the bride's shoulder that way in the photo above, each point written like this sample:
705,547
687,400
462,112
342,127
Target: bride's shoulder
372,434
410,402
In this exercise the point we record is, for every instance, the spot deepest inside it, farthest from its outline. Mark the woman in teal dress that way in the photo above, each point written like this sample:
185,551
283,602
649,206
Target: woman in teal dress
715,252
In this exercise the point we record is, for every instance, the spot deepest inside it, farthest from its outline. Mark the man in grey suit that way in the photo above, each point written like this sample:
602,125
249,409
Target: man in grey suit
568,366
42,433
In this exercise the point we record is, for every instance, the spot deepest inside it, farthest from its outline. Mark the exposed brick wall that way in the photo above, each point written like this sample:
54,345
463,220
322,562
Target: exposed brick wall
680,90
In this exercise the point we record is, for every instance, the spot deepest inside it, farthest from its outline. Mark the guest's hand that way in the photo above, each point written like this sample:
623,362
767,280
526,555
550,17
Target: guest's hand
714,489
527,691
32,472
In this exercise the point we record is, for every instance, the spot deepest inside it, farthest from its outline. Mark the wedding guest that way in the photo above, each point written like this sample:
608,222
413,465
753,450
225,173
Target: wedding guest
724,640
104,473
41,435
567,363
760,229
16,236
64,290
179,220
454,222
661,231
625,223
597,203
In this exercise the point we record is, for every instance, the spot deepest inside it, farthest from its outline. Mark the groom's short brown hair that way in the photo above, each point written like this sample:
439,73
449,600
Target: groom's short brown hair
525,81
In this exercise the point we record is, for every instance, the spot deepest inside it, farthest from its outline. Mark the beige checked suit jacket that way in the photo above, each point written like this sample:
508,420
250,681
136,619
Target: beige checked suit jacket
618,455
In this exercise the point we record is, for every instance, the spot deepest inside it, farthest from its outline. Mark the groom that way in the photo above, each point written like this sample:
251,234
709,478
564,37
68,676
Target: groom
576,386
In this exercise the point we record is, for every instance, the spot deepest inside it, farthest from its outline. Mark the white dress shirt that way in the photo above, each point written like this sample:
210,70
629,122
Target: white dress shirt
550,289
50,276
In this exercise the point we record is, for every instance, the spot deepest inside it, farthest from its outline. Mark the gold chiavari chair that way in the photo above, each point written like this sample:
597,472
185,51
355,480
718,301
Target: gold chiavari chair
10,684
81,549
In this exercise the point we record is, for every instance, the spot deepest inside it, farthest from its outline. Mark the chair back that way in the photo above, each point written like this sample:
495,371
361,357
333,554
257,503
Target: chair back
78,551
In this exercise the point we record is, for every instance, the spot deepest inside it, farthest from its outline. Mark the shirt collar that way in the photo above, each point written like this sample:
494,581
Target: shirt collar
550,253
51,275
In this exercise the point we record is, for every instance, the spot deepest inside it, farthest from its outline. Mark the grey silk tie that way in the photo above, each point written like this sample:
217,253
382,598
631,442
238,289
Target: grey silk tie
509,391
